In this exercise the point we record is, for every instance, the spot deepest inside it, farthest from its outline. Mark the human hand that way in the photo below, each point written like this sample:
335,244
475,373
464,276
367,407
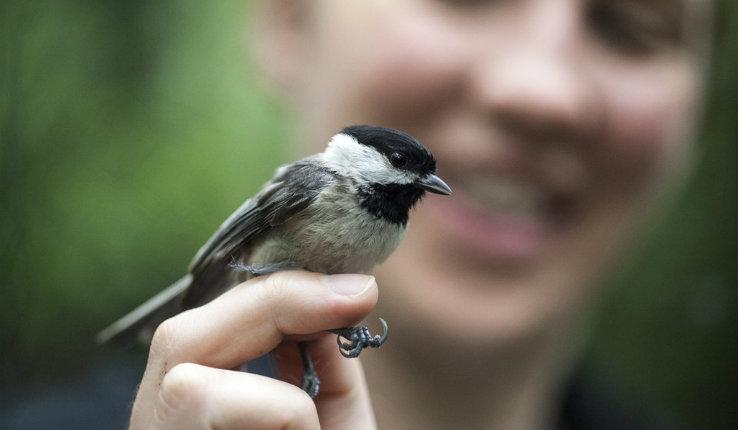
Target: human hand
188,385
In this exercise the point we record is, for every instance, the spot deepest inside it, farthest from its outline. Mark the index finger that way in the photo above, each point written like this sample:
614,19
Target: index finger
253,318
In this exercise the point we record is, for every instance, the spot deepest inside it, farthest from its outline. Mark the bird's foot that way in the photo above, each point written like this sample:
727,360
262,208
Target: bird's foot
310,380
256,270
311,383
358,338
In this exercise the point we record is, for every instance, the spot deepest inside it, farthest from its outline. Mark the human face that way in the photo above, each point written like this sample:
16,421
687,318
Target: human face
556,122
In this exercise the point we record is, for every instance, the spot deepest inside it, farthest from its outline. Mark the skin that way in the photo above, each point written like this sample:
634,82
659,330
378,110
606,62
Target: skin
187,384
594,120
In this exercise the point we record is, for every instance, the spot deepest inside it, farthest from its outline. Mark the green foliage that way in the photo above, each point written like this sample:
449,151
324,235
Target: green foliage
129,131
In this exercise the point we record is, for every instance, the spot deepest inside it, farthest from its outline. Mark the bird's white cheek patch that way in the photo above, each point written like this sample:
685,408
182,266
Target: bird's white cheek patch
349,158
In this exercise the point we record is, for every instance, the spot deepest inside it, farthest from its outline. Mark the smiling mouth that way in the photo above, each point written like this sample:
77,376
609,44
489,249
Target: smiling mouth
509,197
505,217
505,196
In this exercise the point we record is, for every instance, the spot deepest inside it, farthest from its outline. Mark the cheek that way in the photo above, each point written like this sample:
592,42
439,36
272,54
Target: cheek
648,117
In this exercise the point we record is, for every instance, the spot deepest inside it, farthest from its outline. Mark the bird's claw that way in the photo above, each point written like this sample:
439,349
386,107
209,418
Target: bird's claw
359,338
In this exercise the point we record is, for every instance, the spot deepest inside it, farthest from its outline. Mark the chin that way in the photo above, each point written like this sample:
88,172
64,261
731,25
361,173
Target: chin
477,311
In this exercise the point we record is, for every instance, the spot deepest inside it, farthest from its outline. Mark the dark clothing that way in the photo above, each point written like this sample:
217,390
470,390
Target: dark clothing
586,406
102,399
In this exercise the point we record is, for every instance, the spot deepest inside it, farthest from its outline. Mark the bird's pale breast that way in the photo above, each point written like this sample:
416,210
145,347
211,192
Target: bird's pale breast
333,235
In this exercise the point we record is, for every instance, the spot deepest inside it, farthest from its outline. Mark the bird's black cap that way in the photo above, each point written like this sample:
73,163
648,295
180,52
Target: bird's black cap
403,150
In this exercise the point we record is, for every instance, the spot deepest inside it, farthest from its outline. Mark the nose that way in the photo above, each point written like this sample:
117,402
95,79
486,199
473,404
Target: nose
534,81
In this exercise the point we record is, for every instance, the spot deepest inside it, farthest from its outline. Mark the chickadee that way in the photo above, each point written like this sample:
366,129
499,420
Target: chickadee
343,210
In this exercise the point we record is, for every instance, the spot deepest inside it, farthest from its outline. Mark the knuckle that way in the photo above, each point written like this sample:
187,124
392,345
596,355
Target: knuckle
305,406
278,289
301,413
289,296
164,337
183,387
277,284
173,337
275,300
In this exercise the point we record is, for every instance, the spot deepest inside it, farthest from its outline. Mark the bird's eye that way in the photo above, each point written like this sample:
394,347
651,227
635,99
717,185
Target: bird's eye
398,160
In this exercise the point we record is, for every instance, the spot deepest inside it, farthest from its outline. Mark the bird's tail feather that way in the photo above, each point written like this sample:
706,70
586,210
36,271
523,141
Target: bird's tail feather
140,323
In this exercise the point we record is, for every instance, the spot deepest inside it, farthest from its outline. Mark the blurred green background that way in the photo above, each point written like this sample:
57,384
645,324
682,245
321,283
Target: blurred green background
129,130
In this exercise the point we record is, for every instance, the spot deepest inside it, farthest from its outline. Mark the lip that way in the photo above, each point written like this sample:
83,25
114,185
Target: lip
507,231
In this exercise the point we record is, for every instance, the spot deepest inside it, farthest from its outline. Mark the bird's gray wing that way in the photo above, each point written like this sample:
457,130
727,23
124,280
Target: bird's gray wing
292,189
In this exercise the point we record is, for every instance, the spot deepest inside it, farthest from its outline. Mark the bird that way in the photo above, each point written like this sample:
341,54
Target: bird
343,210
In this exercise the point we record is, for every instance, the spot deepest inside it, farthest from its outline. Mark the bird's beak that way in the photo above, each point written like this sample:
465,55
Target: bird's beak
434,184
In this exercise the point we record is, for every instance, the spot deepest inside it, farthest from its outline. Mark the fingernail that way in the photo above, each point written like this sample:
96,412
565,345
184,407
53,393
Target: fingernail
348,284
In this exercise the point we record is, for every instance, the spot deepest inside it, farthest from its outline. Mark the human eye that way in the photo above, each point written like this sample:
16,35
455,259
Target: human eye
636,28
